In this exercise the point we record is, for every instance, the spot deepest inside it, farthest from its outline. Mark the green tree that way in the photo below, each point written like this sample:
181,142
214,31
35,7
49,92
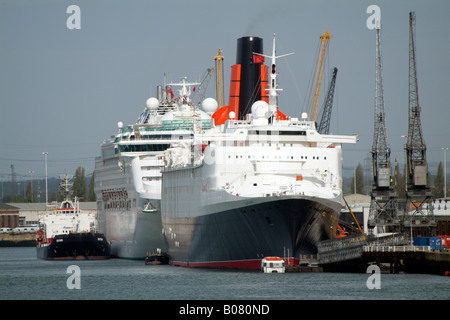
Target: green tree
438,188
29,193
359,175
79,184
399,186
91,193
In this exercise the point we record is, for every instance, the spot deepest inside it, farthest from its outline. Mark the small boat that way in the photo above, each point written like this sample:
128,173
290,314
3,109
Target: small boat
157,258
272,265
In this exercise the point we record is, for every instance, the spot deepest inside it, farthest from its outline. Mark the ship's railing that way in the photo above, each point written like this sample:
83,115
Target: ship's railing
340,255
342,243
407,248
169,125
351,247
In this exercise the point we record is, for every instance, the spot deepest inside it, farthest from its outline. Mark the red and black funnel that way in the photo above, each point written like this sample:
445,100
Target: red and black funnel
249,80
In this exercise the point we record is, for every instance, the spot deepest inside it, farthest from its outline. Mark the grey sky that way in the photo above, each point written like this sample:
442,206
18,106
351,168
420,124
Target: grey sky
63,91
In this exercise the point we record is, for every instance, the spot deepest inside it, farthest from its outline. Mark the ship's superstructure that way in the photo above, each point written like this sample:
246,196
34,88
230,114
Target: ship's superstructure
67,232
254,185
128,177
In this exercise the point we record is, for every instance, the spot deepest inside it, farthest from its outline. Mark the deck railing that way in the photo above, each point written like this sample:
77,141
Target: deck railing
396,248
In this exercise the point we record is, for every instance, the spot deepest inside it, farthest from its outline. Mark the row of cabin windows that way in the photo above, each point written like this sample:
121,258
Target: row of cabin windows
151,178
278,157
246,143
113,204
143,147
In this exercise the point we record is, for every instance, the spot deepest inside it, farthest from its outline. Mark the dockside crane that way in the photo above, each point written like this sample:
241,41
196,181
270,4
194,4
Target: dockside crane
318,78
199,95
418,191
200,91
383,207
219,79
324,125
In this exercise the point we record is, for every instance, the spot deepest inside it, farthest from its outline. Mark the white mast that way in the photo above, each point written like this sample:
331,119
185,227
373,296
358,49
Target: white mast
185,91
273,95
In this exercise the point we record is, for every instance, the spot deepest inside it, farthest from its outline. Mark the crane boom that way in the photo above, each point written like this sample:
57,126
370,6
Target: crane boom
353,215
199,93
324,125
318,79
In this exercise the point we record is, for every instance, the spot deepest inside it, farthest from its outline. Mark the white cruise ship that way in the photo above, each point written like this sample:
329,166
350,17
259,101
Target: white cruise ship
253,185
128,172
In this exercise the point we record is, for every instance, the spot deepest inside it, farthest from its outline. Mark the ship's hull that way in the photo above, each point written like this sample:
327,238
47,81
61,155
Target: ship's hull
132,234
122,201
75,246
240,237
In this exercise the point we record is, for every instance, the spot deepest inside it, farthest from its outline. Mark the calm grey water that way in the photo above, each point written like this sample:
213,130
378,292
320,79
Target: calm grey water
24,277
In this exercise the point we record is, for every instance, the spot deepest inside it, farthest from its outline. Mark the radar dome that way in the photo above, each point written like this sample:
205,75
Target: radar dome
209,105
232,115
152,103
120,124
259,109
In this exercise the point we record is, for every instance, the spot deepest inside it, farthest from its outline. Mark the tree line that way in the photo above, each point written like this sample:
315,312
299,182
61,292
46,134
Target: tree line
399,183
80,188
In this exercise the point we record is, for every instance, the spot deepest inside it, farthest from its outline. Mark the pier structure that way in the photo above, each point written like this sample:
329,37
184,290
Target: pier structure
408,258
344,254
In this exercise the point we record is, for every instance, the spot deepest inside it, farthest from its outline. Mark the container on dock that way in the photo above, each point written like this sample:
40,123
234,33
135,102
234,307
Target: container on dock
445,241
420,241
435,243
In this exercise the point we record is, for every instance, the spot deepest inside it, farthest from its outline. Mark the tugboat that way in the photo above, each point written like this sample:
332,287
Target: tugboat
68,233
157,258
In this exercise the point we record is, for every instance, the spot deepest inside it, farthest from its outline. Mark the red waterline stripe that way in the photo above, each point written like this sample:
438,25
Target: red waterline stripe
254,264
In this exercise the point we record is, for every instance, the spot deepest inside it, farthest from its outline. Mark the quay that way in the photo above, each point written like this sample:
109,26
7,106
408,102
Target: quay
409,259
307,263
392,253
18,239
345,254
300,268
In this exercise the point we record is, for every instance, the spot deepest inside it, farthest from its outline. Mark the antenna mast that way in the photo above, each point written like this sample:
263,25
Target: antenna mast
273,85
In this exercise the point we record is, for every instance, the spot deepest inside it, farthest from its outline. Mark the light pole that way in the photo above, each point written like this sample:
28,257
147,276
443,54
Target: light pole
31,174
406,166
445,172
406,195
45,153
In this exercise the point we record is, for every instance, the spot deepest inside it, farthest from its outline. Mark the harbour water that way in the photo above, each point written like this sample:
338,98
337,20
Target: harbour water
24,277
